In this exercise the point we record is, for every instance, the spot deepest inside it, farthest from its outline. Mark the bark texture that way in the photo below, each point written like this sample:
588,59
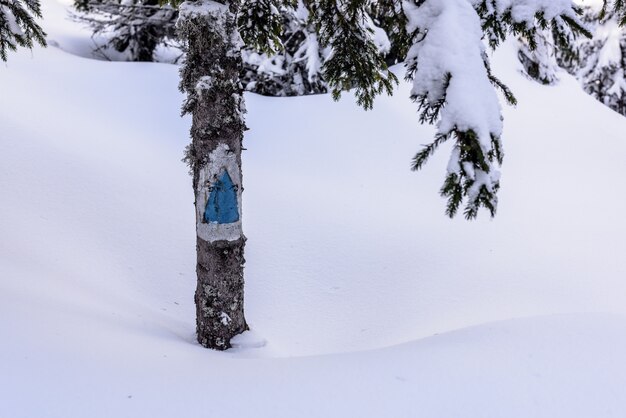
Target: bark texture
210,77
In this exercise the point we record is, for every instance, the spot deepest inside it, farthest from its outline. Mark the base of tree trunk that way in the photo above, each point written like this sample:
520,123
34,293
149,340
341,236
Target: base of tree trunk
219,295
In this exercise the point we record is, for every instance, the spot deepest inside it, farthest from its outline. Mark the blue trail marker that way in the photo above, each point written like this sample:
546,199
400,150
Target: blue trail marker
222,205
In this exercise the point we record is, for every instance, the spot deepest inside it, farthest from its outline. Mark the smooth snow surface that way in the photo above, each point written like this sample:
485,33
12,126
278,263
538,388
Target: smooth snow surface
364,299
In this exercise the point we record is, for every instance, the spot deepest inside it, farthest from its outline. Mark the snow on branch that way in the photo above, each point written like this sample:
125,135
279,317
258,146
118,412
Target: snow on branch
452,87
618,9
261,24
522,17
455,89
356,50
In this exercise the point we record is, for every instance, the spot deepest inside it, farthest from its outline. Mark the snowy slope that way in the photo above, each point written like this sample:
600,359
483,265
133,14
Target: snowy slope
348,251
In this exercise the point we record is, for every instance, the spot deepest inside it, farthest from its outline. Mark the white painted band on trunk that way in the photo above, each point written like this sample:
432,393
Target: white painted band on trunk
219,160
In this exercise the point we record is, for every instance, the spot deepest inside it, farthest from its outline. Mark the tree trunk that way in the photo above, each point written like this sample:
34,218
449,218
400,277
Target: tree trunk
210,77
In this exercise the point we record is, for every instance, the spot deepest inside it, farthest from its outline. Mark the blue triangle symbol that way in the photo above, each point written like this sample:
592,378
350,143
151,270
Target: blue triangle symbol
222,205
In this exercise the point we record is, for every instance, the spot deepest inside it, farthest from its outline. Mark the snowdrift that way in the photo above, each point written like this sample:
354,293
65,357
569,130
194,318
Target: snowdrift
371,301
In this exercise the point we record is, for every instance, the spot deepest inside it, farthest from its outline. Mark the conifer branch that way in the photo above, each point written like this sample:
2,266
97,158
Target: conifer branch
421,157
18,27
261,24
355,61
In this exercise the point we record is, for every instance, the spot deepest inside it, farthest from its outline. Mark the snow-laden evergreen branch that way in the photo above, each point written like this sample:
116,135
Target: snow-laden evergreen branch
390,17
618,9
18,27
540,63
454,87
603,74
294,70
261,24
356,46
134,28
523,17
451,85
599,62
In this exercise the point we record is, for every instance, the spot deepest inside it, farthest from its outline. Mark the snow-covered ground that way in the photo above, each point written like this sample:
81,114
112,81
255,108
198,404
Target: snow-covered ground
371,301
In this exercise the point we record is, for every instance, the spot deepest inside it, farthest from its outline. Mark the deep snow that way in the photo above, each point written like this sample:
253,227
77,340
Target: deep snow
352,266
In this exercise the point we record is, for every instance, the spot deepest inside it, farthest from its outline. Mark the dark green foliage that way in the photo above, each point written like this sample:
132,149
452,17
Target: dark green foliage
286,50
540,64
619,8
173,3
471,173
565,45
388,15
133,28
495,81
261,24
428,110
599,63
18,27
464,182
497,25
355,61
421,157
293,71
461,183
